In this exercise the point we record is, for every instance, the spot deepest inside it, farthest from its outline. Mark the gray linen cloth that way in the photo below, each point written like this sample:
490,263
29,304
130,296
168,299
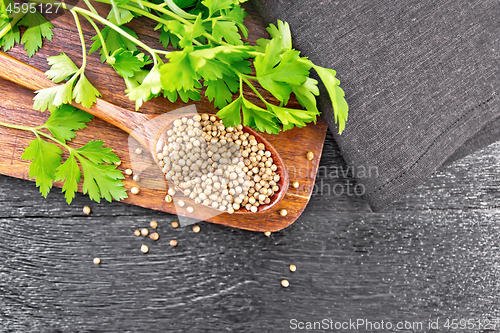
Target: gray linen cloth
421,78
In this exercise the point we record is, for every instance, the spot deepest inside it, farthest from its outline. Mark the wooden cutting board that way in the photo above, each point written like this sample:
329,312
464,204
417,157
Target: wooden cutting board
16,108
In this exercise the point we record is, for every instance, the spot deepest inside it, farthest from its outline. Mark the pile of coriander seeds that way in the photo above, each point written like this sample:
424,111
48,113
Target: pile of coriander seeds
220,167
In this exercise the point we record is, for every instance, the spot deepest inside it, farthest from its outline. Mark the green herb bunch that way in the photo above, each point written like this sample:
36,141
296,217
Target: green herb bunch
101,178
210,52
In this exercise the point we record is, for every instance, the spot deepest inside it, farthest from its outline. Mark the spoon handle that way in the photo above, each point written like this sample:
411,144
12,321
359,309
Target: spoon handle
32,78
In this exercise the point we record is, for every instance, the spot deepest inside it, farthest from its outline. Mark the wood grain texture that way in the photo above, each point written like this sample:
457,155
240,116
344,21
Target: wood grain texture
291,145
433,256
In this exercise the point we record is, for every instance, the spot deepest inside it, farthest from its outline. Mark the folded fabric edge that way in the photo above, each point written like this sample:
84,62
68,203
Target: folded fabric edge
439,154
485,137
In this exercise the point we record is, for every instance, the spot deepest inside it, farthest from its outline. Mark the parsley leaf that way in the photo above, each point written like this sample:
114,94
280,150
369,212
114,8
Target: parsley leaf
336,93
65,120
45,157
259,118
114,41
292,117
230,114
96,153
185,95
100,180
178,73
221,90
306,93
38,27
150,86
166,38
118,15
10,39
84,92
70,174
227,30
61,67
126,63
216,5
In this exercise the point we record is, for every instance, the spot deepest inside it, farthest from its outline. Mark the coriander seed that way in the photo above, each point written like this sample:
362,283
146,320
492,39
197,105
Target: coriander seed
118,163
97,261
283,212
173,242
86,210
285,283
196,228
144,232
153,224
267,233
138,151
144,248
154,236
181,203
168,198
136,178
175,224
135,190
295,184
137,232
128,172
310,155
190,209
293,268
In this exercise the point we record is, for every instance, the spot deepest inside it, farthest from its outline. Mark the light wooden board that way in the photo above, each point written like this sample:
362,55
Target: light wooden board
17,108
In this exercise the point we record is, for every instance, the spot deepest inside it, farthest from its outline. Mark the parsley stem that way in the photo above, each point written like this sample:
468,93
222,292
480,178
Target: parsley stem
254,89
54,139
12,23
82,39
92,9
103,43
19,127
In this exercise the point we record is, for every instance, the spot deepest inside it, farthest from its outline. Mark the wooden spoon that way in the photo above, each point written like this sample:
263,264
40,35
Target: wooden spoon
148,131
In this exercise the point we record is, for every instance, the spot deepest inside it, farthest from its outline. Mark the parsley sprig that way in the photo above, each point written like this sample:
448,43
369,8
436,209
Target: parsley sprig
209,52
101,179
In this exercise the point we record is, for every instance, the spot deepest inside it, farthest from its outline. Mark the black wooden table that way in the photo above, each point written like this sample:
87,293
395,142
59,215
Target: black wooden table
431,260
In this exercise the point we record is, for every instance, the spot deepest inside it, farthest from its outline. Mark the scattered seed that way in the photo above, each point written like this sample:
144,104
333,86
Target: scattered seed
144,248
175,224
144,232
310,155
295,184
137,232
138,151
267,233
118,163
190,209
293,268
153,224
285,283
196,228
171,191
135,190
154,236
128,172
181,203
136,178
168,198
86,210
283,212
97,261
173,242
